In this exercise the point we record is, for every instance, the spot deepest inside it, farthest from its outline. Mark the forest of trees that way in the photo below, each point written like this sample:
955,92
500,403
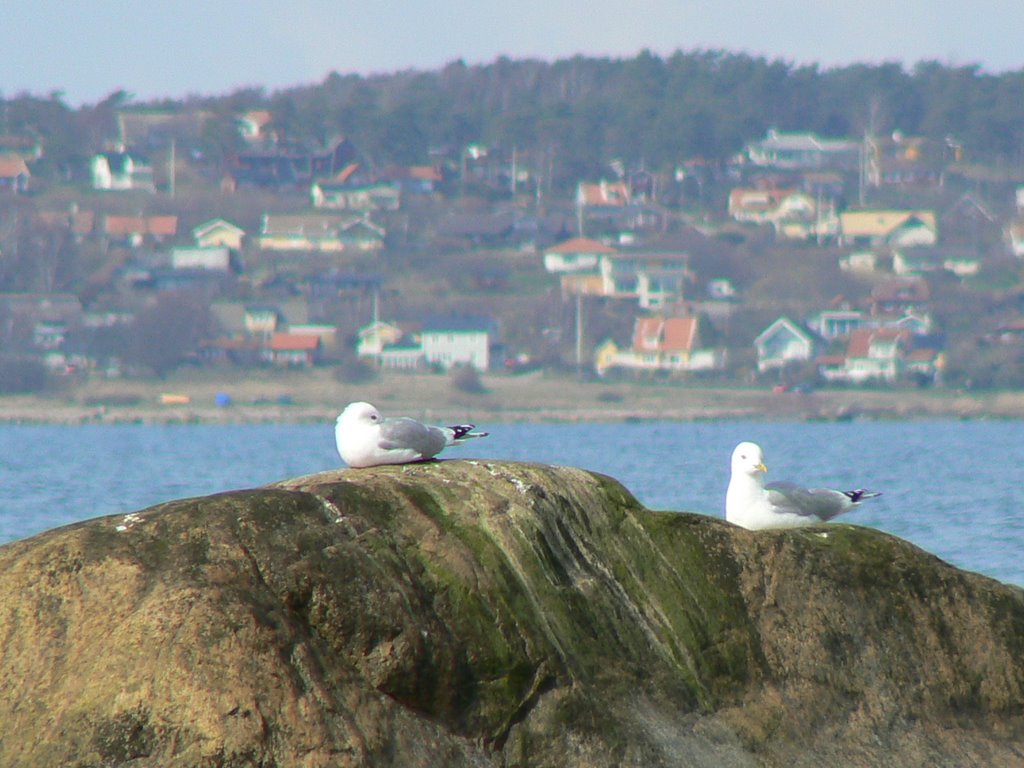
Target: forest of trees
659,111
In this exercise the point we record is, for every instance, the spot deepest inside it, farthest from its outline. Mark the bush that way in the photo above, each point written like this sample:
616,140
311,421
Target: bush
465,378
353,370
22,375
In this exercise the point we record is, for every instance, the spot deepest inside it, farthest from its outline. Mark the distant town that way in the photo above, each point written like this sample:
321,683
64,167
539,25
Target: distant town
803,261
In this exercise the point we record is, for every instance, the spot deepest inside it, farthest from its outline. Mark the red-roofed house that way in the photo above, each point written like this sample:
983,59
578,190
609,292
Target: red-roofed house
670,344
580,254
135,230
14,174
293,350
603,194
872,354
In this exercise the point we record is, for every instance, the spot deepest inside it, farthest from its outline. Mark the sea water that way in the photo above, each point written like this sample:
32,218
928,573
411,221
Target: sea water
950,487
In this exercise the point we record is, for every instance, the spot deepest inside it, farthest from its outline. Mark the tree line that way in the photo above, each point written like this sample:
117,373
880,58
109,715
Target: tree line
585,111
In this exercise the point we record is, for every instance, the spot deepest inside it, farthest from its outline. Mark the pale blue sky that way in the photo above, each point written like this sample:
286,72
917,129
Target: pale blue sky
155,48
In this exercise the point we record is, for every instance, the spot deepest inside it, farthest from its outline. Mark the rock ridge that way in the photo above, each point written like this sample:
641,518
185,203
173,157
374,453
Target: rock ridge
482,613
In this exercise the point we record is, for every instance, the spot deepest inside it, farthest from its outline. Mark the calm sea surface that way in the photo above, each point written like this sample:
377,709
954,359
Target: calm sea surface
953,488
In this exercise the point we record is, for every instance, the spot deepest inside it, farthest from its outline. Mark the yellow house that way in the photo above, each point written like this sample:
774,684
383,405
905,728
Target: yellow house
219,233
887,227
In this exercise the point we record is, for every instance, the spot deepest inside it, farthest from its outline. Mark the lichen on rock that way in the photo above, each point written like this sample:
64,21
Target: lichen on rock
474,613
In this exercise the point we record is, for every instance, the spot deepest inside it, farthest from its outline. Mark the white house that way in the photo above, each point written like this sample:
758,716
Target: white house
580,254
218,232
783,342
654,279
458,340
213,258
371,339
121,171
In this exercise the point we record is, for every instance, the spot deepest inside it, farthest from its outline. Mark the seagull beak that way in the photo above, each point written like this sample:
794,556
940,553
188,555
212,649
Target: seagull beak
761,467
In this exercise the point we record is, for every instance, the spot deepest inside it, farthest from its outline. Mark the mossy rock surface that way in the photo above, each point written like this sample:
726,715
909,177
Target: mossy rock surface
472,613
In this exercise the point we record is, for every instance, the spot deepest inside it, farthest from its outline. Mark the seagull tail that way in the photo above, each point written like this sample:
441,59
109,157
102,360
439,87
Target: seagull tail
464,432
860,495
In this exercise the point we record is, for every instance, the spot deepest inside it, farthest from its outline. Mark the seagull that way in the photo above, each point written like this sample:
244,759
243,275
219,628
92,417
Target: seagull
365,438
754,505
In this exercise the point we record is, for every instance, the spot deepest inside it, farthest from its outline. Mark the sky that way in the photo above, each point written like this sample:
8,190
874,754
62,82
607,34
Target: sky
87,49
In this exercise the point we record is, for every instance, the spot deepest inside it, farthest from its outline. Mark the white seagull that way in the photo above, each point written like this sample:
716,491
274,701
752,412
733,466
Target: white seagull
365,438
754,505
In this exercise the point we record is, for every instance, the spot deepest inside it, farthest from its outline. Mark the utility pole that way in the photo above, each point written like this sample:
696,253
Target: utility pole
579,332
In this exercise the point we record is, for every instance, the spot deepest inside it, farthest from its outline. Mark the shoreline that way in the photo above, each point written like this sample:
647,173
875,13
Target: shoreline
315,397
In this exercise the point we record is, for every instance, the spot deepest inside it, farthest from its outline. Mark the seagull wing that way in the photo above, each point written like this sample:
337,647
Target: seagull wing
403,433
822,503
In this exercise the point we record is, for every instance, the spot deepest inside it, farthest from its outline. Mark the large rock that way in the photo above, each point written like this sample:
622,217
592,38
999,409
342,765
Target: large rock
468,613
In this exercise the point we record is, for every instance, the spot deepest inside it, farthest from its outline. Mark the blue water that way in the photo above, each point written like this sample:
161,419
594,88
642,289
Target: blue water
950,487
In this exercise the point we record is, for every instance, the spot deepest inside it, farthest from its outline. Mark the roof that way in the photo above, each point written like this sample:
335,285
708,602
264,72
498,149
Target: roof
12,166
861,339
783,323
903,289
294,342
309,225
581,245
882,222
79,222
141,225
604,193
665,334
214,224
459,323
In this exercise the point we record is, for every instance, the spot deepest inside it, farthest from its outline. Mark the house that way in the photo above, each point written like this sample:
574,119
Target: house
121,170
346,192
218,232
290,167
765,206
389,346
921,259
887,227
80,224
253,125
872,354
579,254
859,261
361,234
604,194
899,160
293,350
900,296
782,343
318,232
214,258
371,339
661,344
836,323
793,214
458,340
1014,233
413,179
263,320
655,279
804,152
134,231
14,174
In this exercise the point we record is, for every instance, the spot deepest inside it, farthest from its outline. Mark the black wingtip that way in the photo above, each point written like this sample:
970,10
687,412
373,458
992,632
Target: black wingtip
466,430
861,495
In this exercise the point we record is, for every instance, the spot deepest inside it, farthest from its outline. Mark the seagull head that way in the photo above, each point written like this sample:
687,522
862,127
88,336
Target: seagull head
359,414
748,459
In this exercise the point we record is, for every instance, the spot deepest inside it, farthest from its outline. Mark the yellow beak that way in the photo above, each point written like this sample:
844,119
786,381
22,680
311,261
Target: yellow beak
761,467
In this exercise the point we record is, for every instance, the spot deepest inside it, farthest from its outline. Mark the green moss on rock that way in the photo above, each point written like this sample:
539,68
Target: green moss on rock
472,613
